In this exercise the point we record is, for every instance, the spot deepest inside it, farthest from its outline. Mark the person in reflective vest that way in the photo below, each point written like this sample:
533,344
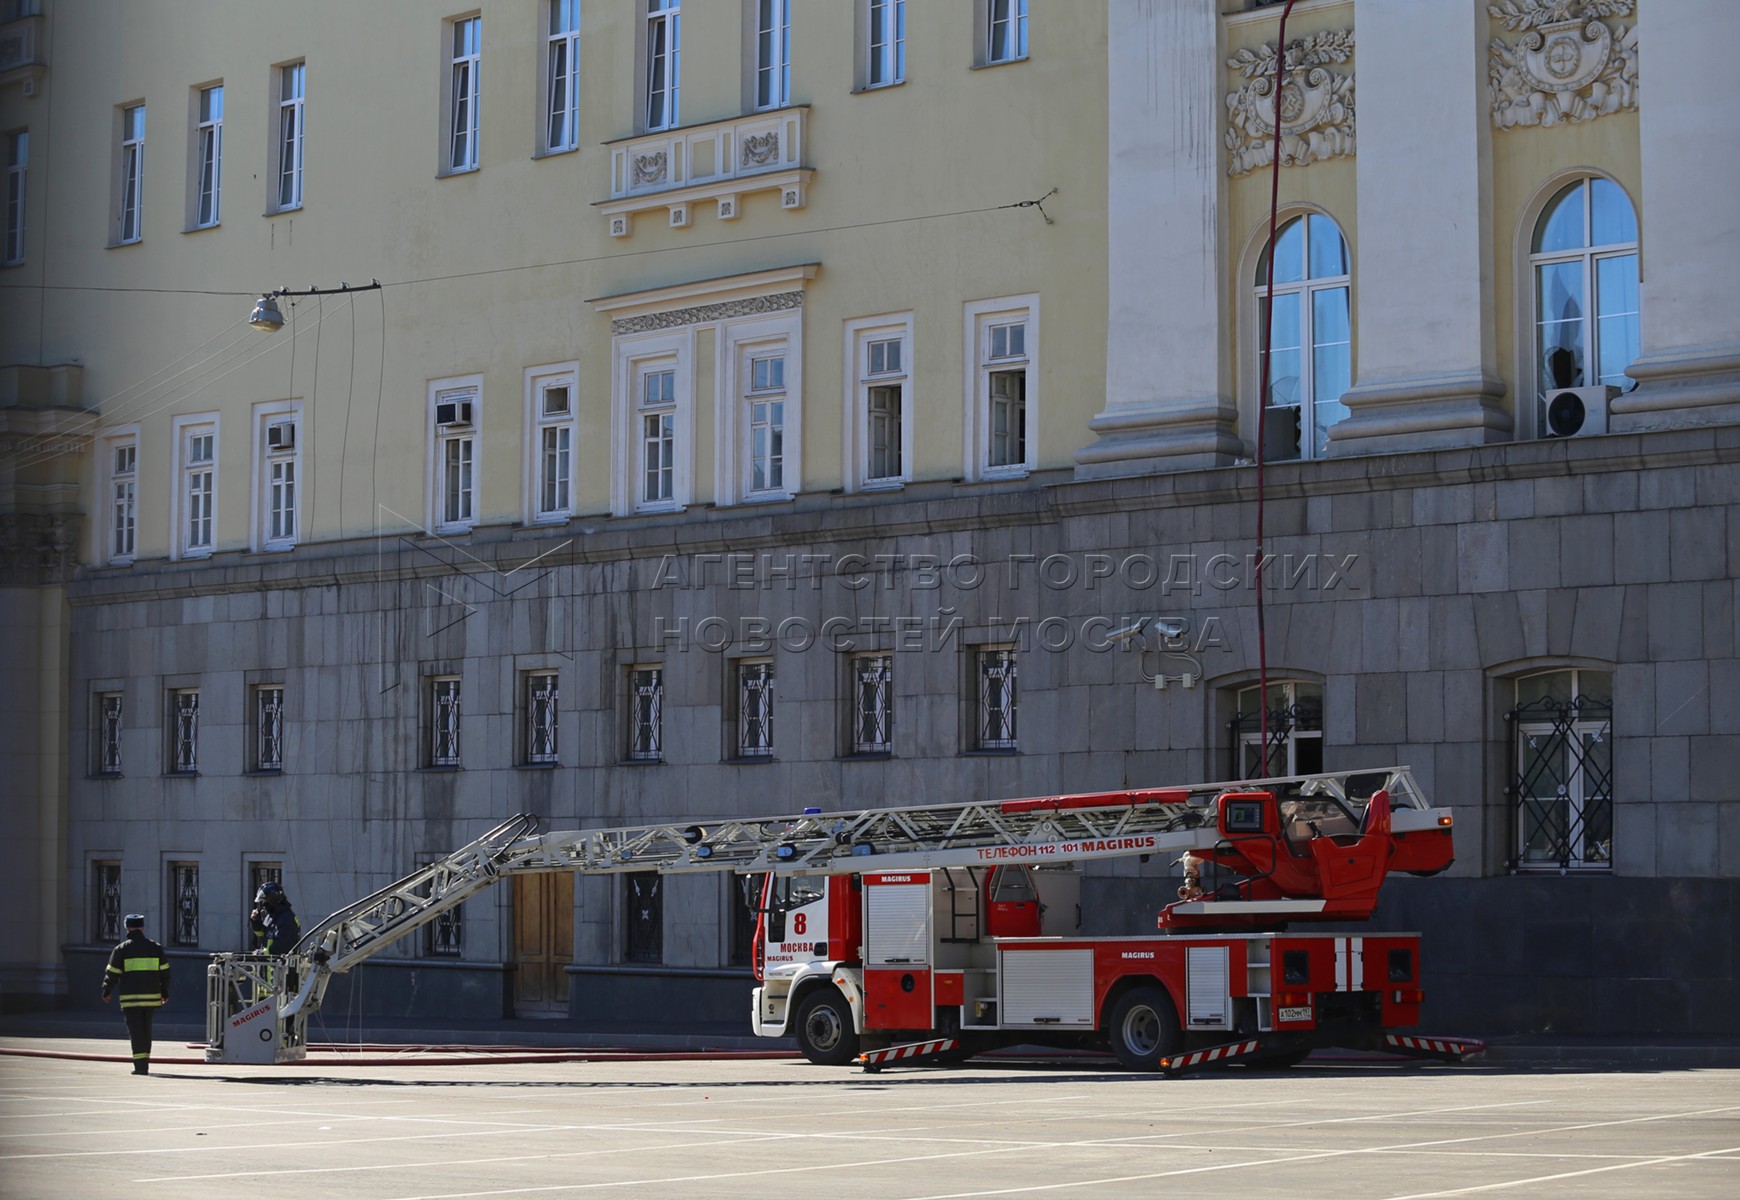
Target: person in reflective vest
139,971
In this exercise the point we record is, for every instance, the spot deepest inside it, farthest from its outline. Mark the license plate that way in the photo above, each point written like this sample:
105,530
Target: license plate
1296,1014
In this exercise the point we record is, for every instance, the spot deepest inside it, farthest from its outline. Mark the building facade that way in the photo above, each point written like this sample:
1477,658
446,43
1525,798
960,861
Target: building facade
766,405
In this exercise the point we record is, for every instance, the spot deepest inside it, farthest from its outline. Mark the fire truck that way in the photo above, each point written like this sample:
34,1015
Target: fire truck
937,932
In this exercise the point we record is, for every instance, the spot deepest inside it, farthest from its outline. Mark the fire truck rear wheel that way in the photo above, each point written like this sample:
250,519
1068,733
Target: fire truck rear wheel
1143,1028
824,1028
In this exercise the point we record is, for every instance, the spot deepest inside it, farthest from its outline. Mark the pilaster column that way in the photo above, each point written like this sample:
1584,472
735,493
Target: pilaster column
1168,403
1427,373
1689,369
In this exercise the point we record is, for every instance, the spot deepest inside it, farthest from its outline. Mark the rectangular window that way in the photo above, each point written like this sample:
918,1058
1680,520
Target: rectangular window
1006,29
106,759
643,917
1007,389
208,206
183,905
279,458
454,414
132,168
884,411
466,70
444,937
658,421
268,726
1562,792
873,704
17,161
1004,334
887,43
184,731
1295,730
754,696
292,81
646,704
106,901
444,721
562,73
123,494
997,697
772,53
540,717
664,29
766,402
198,489
553,419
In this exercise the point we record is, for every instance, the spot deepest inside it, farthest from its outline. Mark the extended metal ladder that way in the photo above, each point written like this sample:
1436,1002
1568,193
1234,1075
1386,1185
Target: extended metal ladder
259,1015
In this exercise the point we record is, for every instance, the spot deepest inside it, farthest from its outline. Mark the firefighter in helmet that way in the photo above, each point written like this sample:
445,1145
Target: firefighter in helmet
140,969
272,921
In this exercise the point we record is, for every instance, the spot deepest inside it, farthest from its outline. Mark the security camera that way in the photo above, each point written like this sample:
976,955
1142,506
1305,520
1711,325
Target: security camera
1125,634
1171,628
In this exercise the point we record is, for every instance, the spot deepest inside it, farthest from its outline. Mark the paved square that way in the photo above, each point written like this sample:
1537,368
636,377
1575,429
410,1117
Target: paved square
72,1130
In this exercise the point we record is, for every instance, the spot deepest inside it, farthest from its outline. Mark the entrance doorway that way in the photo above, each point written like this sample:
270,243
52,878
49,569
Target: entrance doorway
543,943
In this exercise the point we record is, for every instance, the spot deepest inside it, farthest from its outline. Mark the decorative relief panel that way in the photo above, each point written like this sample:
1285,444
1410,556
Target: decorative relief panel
1570,64
1316,104
676,318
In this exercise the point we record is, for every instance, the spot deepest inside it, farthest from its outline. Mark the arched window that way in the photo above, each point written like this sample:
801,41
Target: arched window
1584,258
1562,792
1312,343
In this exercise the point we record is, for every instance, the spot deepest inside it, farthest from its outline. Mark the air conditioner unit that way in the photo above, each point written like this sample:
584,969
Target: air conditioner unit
281,437
1577,412
451,413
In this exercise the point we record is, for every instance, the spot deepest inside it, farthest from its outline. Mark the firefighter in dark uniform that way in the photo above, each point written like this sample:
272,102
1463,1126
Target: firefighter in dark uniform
139,970
273,922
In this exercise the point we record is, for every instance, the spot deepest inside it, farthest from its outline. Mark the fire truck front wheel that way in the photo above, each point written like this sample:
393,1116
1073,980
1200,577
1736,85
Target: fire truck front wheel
824,1028
1143,1028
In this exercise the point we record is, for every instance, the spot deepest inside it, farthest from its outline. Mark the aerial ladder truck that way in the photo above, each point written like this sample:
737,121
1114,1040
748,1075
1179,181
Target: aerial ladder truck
938,931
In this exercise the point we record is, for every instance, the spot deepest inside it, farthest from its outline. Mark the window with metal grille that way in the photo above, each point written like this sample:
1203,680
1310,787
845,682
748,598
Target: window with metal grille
646,702
1295,732
444,721
873,704
541,699
997,697
184,904
108,733
743,897
643,917
1562,792
269,727
755,709
444,937
106,901
184,731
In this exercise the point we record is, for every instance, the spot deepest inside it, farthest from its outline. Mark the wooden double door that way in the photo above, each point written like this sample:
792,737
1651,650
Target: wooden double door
543,943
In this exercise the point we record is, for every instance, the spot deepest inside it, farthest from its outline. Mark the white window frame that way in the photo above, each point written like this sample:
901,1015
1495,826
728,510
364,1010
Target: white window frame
463,41
467,442
753,682
982,318
208,156
541,692
1253,762
1588,256
771,24
446,709
663,27
1306,289
860,335
183,498
130,176
882,25
17,193
290,116
561,88
738,345
540,381
120,496
1005,31
634,356
273,470
646,699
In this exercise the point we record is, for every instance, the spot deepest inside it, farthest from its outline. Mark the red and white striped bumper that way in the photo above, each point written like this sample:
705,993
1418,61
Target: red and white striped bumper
872,1059
1446,1048
1214,1054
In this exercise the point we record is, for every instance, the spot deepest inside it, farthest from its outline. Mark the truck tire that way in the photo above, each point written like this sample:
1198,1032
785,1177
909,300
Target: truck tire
824,1028
1143,1028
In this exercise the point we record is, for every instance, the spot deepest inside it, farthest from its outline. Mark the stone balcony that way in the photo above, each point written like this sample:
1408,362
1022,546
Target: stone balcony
675,170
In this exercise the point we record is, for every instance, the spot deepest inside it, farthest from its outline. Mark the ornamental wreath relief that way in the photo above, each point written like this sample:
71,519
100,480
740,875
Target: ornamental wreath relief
1316,104
1569,64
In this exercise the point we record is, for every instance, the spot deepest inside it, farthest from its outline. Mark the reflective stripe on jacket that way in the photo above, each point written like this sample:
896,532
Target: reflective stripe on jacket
139,970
